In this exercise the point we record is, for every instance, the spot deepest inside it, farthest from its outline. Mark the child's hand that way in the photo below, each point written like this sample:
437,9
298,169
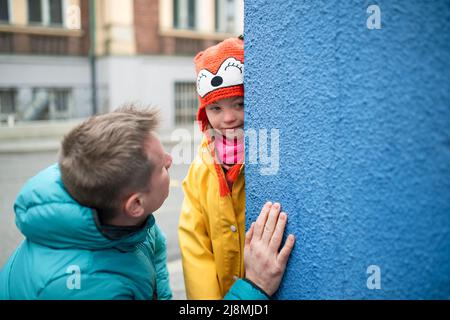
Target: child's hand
264,265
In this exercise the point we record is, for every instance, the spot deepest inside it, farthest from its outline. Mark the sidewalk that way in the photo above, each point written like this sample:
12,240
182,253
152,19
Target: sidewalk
38,136
176,280
44,136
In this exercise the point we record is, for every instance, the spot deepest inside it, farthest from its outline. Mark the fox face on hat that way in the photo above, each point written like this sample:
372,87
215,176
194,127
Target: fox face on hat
220,74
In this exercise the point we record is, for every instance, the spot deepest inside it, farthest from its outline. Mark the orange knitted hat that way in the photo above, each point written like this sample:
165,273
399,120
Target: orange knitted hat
220,74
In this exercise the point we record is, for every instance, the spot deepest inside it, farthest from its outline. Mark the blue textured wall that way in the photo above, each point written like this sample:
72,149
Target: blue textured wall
364,119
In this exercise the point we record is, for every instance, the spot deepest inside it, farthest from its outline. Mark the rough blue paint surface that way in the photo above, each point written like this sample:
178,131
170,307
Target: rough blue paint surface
364,119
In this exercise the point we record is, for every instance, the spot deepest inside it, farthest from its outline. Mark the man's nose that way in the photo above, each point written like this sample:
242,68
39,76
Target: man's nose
169,161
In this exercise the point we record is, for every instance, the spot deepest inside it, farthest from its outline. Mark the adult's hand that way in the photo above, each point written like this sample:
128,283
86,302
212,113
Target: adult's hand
264,262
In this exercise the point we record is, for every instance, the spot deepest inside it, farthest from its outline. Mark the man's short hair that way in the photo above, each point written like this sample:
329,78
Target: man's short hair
103,160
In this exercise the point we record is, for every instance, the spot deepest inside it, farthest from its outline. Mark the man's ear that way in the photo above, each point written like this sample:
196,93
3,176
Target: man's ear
134,207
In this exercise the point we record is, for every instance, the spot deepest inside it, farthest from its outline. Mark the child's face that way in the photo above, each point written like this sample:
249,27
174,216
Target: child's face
226,114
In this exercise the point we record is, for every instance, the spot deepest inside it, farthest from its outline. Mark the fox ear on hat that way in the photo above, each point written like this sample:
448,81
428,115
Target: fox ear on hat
198,56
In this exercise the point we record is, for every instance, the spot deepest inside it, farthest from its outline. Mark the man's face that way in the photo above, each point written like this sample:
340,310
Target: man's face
226,115
159,180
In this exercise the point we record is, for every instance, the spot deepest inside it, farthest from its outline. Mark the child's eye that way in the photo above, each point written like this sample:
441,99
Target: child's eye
214,108
239,105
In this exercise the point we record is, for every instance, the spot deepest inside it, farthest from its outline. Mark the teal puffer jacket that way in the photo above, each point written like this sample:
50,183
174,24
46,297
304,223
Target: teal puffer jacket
65,256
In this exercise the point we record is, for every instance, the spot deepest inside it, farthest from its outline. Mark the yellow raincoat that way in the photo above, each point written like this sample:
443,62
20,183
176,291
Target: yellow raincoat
211,230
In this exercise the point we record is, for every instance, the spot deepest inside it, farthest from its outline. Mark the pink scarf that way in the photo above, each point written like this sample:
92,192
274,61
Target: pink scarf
230,151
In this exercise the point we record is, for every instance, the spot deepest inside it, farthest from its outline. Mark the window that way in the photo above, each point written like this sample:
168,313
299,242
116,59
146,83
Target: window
7,101
49,104
6,42
59,103
185,103
52,45
4,10
184,14
46,12
56,10
35,11
225,14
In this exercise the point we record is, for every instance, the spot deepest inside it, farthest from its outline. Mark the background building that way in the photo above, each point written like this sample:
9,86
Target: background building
143,53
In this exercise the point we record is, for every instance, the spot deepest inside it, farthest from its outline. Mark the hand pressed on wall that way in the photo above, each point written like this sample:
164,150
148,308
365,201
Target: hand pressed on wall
264,263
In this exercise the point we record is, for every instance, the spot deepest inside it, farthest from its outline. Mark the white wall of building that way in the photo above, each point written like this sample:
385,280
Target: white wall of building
146,80
43,70
28,72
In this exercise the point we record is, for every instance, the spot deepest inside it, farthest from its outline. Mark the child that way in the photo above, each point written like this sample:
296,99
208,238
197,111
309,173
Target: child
212,221
89,227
